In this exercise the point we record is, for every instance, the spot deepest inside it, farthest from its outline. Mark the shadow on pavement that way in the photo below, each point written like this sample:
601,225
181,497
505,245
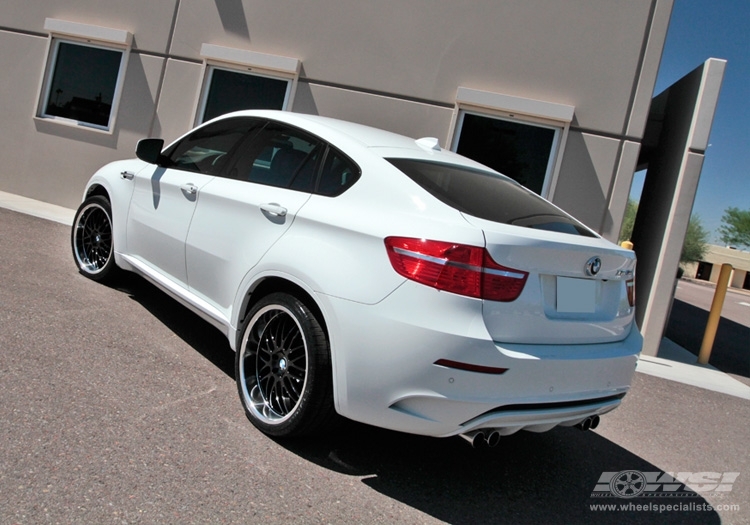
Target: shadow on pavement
731,351
196,332
529,478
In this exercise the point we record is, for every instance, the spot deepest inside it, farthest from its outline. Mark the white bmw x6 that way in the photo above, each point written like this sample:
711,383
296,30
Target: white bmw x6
361,273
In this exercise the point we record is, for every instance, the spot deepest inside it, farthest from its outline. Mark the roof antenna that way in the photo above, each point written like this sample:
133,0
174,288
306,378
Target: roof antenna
429,143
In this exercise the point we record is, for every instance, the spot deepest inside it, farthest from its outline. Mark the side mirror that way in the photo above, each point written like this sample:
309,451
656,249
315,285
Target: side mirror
149,150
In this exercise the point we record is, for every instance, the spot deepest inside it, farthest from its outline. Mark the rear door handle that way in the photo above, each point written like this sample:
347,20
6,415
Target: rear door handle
274,209
127,175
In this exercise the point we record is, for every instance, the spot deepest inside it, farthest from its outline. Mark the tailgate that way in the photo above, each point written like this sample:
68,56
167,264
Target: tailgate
576,292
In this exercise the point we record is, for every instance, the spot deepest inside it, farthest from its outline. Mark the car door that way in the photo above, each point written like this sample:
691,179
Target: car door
241,215
165,195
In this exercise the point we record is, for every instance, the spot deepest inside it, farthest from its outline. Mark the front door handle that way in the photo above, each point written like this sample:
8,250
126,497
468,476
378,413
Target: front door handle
127,175
189,188
274,209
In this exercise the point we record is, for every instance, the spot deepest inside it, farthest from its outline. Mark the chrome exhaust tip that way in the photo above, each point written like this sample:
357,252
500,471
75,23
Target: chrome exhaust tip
481,439
589,423
493,439
475,438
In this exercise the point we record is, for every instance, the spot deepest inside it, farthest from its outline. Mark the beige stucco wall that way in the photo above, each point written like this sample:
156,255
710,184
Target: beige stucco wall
395,64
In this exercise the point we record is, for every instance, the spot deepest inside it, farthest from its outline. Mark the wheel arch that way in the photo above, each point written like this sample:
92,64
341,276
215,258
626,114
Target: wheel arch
276,283
270,284
98,189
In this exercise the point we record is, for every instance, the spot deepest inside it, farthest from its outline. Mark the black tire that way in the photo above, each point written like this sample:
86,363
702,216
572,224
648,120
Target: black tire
283,369
92,241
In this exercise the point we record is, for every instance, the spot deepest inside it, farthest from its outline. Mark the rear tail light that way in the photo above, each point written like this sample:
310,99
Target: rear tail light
457,268
630,285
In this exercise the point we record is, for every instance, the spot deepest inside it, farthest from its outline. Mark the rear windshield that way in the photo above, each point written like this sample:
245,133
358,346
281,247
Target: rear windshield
488,196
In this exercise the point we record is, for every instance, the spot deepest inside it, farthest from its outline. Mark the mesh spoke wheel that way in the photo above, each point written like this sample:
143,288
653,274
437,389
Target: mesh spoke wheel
91,238
283,368
275,364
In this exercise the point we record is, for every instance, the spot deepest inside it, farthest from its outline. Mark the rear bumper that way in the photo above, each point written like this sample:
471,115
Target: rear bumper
385,373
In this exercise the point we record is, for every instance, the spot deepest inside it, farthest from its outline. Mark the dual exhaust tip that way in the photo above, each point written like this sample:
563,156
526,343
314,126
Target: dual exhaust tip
489,438
482,438
590,423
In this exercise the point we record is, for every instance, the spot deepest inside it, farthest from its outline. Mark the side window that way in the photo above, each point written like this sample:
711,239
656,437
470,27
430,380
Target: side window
338,174
229,91
280,156
82,83
208,149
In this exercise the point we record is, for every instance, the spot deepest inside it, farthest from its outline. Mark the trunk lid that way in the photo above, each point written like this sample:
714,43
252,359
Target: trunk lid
576,291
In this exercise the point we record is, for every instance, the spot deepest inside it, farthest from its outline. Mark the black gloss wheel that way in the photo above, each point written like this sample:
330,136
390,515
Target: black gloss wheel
283,368
91,238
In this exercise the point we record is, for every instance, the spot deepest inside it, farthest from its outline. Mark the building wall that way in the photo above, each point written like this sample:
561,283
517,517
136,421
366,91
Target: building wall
395,64
718,255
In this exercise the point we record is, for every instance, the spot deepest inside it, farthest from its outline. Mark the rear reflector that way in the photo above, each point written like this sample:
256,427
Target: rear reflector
457,268
470,368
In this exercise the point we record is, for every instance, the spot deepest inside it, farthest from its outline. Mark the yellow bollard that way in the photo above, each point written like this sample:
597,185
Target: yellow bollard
714,315
627,245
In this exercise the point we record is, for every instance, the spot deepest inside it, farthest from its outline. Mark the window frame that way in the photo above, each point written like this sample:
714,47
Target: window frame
518,110
247,62
211,67
65,32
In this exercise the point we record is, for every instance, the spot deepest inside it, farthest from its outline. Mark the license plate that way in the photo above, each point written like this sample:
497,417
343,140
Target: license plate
576,295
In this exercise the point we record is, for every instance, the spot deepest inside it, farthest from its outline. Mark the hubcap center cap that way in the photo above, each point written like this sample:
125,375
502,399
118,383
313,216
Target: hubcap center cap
282,365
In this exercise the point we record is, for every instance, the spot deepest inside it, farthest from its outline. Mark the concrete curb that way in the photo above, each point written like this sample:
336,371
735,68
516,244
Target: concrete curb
678,364
43,210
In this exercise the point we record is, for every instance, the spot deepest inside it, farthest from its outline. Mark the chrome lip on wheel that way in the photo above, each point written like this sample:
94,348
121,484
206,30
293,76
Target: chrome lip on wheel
93,239
273,371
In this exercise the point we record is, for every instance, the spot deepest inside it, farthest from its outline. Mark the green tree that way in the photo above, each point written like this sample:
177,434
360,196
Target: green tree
693,249
626,231
735,230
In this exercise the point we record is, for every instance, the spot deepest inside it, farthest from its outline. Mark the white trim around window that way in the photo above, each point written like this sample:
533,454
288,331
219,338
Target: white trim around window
518,110
88,32
81,104
283,69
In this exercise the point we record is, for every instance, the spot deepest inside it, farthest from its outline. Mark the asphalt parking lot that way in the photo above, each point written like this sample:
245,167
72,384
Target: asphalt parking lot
119,406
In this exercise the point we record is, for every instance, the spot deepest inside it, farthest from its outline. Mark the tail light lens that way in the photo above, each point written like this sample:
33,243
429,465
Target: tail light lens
630,285
457,268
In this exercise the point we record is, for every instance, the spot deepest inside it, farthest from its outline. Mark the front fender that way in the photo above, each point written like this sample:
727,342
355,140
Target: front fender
119,191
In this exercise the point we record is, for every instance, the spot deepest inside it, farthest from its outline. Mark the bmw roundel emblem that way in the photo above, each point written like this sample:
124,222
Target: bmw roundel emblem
593,266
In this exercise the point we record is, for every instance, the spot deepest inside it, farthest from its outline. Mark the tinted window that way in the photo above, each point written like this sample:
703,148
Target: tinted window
338,174
280,156
488,196
207,149
83,83
231,91
520,151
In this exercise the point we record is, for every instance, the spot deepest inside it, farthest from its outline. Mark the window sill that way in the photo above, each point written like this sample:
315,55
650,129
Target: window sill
75,124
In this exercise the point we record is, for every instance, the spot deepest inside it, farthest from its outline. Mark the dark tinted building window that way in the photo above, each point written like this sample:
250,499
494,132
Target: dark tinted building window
83,83
233,91
520,151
